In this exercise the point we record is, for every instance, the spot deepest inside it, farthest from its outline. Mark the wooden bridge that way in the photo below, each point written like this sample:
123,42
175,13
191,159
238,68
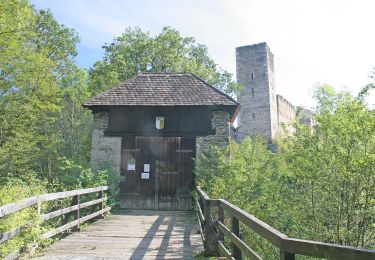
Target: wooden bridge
140,234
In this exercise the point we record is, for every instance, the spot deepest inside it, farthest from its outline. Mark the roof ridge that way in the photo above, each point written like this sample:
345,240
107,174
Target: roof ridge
215,89
165,89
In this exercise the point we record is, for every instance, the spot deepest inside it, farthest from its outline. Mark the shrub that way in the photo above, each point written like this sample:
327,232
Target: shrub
29,217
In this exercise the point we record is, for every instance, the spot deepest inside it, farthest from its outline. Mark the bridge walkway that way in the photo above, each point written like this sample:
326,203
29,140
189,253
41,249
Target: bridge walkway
132,234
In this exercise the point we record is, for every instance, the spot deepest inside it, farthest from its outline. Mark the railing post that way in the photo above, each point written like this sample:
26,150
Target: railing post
101,205
39,207
287,256
77,214
236,252
221,219
210,241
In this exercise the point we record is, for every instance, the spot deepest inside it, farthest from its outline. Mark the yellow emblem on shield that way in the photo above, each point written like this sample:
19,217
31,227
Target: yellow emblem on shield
160,122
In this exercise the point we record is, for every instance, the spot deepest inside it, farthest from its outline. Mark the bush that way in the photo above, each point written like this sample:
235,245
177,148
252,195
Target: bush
11,192
319,186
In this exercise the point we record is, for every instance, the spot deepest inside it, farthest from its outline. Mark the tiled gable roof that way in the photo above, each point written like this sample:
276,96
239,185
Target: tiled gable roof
162,89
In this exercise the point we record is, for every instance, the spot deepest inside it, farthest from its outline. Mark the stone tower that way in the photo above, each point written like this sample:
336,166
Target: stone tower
255,72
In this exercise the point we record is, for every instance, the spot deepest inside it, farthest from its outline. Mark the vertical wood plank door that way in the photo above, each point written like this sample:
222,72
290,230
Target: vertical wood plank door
170,177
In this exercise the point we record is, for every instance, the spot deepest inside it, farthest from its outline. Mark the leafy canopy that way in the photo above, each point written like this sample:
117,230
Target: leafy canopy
137,51
41,91
319,186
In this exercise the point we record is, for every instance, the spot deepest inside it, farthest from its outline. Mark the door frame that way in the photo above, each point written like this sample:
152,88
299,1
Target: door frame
132,195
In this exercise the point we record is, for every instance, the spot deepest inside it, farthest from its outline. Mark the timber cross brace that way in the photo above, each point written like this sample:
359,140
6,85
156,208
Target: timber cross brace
213,230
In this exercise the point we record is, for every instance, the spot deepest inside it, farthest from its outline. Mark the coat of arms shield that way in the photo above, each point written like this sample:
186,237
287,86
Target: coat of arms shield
159,122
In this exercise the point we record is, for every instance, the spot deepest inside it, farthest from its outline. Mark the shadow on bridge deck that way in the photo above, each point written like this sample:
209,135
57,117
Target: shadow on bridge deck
132,234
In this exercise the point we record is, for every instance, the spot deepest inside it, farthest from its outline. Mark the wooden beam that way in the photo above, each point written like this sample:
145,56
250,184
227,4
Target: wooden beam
201,229
63,211
236,252
289,247
200,213
325,250
223,251
214,202
25,203
17,206
221,218
260,227
239,243
67,194
8,235
202,194
287,256
74,223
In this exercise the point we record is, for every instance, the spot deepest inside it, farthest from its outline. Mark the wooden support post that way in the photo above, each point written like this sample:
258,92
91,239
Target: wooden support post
67,216
39,207
221,219
236,252
77,214
243,256
287,256
210,243
157,177
101,205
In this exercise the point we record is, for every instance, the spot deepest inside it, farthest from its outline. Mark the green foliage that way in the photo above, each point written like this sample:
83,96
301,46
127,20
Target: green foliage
334,168
319,186
36,53
16,190
75,122
253,178
44,131
74,176
137,51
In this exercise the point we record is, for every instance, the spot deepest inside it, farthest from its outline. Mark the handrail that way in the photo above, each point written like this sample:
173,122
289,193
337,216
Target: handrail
215,231
74,208
271,234
28,202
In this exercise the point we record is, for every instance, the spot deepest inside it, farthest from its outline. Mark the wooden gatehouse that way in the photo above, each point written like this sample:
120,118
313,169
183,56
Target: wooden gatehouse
150,128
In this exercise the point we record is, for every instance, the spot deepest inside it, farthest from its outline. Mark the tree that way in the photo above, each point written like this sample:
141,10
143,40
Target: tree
75,122
334,168
36,53
320,186
137,51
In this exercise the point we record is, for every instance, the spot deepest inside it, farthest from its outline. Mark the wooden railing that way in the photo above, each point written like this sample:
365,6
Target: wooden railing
74,209
214,230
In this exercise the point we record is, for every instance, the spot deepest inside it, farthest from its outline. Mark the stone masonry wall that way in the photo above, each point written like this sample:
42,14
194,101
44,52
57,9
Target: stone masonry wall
104,149
286,114
272,91
220,123
255,72
306,117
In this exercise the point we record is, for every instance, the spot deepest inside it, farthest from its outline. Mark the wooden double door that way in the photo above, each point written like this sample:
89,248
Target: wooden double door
158,172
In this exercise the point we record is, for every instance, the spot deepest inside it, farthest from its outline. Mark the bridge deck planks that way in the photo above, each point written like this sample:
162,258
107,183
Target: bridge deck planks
132,234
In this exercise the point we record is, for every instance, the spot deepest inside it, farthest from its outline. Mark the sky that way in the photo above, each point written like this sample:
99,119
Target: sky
313,41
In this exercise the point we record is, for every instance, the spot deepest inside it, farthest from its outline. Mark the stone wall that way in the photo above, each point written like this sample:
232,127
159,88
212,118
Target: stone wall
220,123
286,114
306,117
272,95
104,149
255,72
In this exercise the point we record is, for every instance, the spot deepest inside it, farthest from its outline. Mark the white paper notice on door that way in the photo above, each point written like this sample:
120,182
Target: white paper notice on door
145,175
146,167
131,165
